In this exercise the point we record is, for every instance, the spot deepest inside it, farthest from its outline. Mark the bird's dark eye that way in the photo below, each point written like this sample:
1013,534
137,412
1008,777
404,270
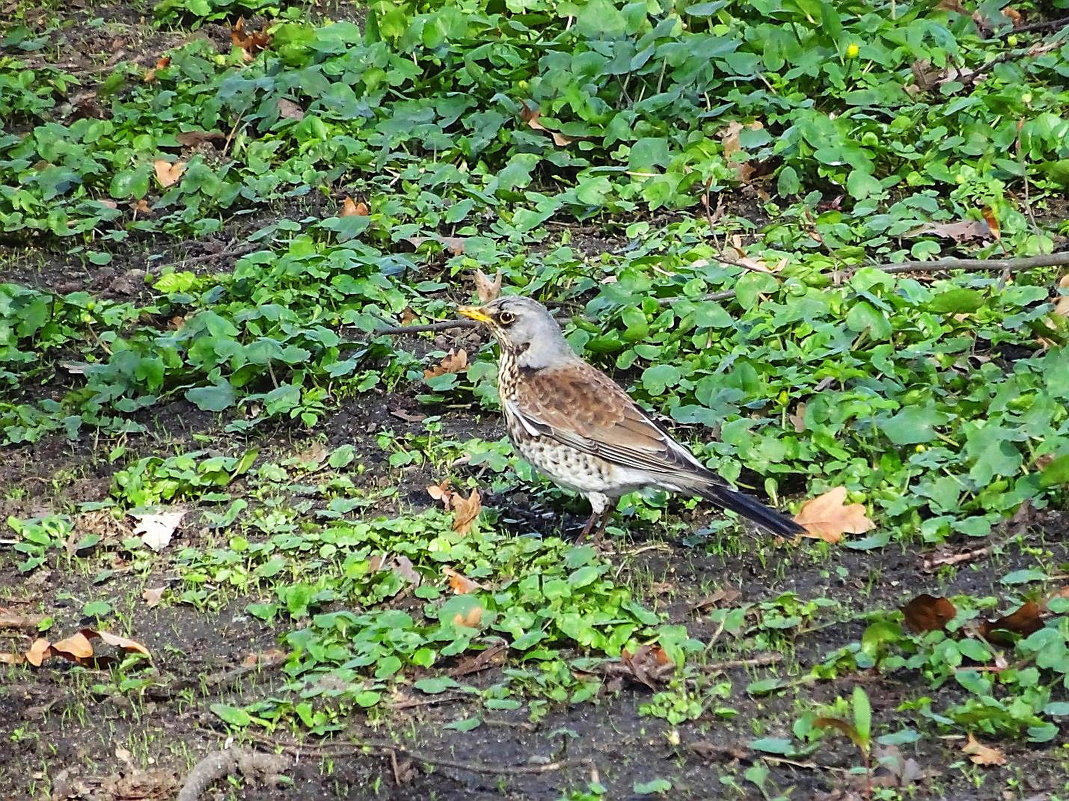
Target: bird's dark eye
506,318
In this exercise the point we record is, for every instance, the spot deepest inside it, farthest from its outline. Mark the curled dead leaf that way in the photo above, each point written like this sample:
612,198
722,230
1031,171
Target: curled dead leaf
486,289
471,618
958,231
1061,306
153,595
168,173
352,208
980,754
827,517
124,643
288,110
465,511
157,529
531,115
1028,619
40,650
459,583
251,42
453,362
928,613
76,647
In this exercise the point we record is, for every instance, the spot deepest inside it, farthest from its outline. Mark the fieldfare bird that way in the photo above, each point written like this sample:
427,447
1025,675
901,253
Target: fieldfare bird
579,428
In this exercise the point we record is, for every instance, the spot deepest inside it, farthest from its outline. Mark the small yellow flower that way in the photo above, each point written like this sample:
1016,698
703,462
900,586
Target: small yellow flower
852,50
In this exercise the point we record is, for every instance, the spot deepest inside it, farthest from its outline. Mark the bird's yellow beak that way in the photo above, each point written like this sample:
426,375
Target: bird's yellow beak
474,313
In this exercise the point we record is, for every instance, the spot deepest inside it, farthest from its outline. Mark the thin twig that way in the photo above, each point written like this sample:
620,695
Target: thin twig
929,564
242,250
1037,26
977,265
445,325
940,265
384,748
757,661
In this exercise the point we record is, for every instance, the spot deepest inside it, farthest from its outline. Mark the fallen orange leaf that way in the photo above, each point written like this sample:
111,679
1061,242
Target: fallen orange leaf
168,173
460,584
350,208
827,517
453,362
486,289
980,754
927,613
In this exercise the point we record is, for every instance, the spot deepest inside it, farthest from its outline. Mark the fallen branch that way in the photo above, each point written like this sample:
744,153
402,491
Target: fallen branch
940,265
252,765
445,325
29,623
976,265
929,564
385,748
243,250
757,661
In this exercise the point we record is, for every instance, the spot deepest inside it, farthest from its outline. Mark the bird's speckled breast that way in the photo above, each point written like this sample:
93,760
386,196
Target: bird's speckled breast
571,468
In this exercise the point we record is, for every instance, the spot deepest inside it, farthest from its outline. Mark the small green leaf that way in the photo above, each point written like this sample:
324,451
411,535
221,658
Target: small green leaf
212,399
231,715
652,787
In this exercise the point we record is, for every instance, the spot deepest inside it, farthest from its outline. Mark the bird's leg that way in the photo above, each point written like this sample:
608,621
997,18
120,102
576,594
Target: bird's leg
602,522
601,509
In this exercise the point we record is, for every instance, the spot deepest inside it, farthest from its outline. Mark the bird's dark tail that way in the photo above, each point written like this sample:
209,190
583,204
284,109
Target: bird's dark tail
750,508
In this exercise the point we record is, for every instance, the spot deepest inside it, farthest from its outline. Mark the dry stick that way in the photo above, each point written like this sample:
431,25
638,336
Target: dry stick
969,265
383,748
931,563
243,250
757,661
978,265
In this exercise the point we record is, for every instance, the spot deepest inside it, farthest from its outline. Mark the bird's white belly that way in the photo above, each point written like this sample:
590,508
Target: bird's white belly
575,470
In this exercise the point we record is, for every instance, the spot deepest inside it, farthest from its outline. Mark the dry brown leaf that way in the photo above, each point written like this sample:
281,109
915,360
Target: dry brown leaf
153,595
486,289
648,665
161,63
76,647
143,207
724,596
1061,307
980,754
797,417
352,208
531,115
442,492
465,511
470,618
1028,619
157,529
125,643
168,173
453,362
40,650
927,613
732,147
454,244
459,583
197,138
827,517
958,231
7,658
408,417
988,214
251,42
288,110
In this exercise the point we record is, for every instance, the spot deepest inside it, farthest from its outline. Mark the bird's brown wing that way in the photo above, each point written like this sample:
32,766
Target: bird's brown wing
579,406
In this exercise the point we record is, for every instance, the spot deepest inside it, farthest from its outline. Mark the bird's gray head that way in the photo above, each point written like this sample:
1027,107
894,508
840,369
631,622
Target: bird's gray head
525,328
